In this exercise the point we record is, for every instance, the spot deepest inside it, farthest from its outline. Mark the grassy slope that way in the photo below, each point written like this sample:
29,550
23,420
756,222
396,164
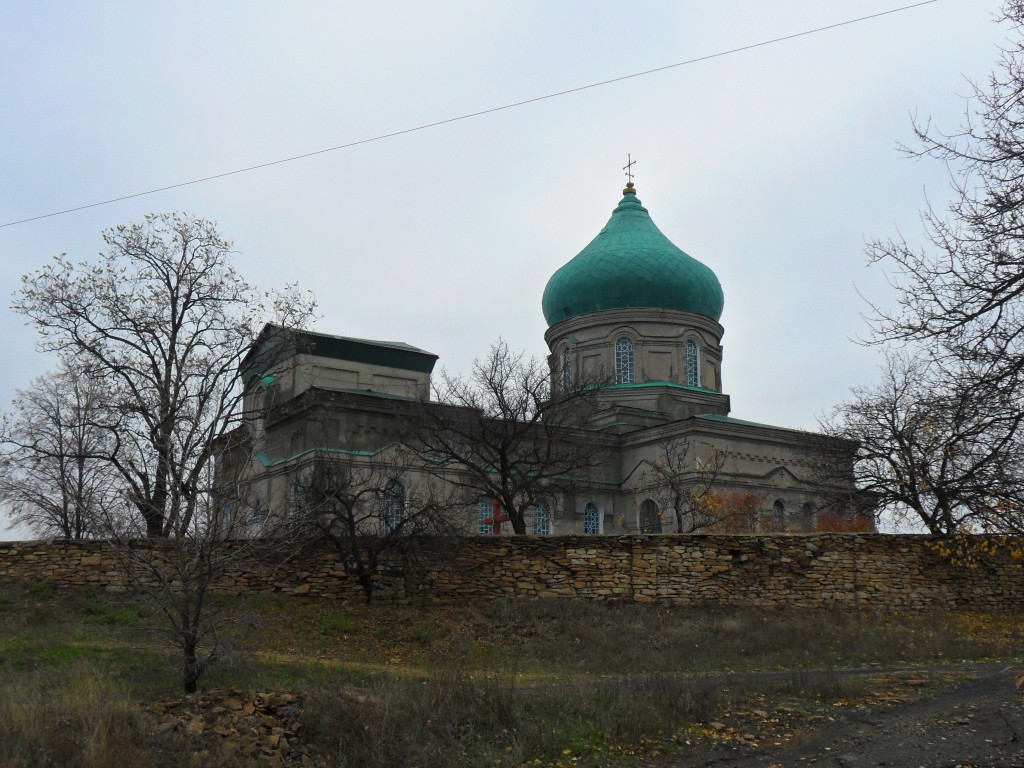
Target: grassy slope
503,683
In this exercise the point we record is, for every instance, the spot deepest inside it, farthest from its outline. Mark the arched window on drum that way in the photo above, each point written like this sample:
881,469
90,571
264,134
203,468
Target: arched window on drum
566,368
692,352
623,360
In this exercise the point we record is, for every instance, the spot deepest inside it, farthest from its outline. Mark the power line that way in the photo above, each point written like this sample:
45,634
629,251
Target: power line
469,115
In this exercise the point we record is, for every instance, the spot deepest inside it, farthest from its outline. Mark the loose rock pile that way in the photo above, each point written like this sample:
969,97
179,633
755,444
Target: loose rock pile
258,727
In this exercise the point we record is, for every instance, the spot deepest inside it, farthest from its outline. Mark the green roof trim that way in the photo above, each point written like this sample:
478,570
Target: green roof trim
631,264
671,384
266,461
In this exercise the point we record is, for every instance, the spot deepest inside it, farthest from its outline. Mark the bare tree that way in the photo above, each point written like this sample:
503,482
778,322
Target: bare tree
502,432
53,477
965,290
179,575
685,485
936,448
162,321
367,506
940,433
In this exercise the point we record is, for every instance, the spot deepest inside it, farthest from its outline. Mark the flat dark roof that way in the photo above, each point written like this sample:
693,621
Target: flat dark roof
276,344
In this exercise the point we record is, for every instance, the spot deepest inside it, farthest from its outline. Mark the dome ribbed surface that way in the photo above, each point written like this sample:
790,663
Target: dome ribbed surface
631,264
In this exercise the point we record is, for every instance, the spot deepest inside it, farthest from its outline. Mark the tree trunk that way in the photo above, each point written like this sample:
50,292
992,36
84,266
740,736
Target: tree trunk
366,582
518,523
190,672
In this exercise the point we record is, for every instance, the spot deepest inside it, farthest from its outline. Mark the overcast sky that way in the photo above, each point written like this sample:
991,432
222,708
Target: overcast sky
773,166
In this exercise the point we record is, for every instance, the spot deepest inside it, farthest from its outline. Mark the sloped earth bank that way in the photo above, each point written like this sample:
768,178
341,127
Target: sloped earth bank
974,718
949,716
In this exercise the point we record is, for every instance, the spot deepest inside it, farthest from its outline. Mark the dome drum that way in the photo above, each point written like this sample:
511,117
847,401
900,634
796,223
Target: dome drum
658,339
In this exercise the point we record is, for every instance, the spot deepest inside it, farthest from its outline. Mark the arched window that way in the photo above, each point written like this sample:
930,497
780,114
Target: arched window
778,515
650,520
394,506
485,517
541,520
591,519
566,369
692,363
623,360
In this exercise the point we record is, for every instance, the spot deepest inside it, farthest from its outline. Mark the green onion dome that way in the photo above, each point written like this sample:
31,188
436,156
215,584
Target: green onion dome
631,264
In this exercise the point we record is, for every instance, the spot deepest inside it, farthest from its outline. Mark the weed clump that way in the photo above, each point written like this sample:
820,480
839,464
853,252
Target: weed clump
389,722
80,717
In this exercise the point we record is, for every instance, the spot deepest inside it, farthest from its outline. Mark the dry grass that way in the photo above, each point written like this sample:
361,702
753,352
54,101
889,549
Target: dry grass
500,684
78,717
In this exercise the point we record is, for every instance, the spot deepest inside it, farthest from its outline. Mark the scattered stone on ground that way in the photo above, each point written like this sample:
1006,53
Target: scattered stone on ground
262,727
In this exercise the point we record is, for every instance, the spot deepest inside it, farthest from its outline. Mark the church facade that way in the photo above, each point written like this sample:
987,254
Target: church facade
631,310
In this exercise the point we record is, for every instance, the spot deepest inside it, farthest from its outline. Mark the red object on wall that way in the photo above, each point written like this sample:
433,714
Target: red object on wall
497,517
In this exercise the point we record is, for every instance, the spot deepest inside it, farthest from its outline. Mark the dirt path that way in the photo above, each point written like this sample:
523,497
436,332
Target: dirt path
976,721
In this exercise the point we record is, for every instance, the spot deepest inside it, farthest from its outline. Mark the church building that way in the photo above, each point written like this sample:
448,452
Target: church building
631,310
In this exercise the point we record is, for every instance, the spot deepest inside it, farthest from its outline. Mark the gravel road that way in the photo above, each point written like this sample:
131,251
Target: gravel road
972,720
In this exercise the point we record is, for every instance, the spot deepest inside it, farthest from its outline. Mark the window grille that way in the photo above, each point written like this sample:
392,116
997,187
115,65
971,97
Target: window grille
692,363
624,360
566,369
591,519
541,520
485,517
294,496
394,506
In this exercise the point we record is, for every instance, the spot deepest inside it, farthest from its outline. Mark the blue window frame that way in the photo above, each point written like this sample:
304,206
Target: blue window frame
623,360
394,506
485,516
692,363
541,520
591,519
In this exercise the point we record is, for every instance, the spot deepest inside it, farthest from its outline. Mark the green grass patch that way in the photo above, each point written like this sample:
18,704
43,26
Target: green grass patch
42,590
114,615
337,625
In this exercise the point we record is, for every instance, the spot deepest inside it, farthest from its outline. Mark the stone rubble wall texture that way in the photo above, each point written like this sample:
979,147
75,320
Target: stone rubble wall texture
831,570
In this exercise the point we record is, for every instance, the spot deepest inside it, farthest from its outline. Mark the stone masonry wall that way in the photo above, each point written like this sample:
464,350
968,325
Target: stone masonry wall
833,570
